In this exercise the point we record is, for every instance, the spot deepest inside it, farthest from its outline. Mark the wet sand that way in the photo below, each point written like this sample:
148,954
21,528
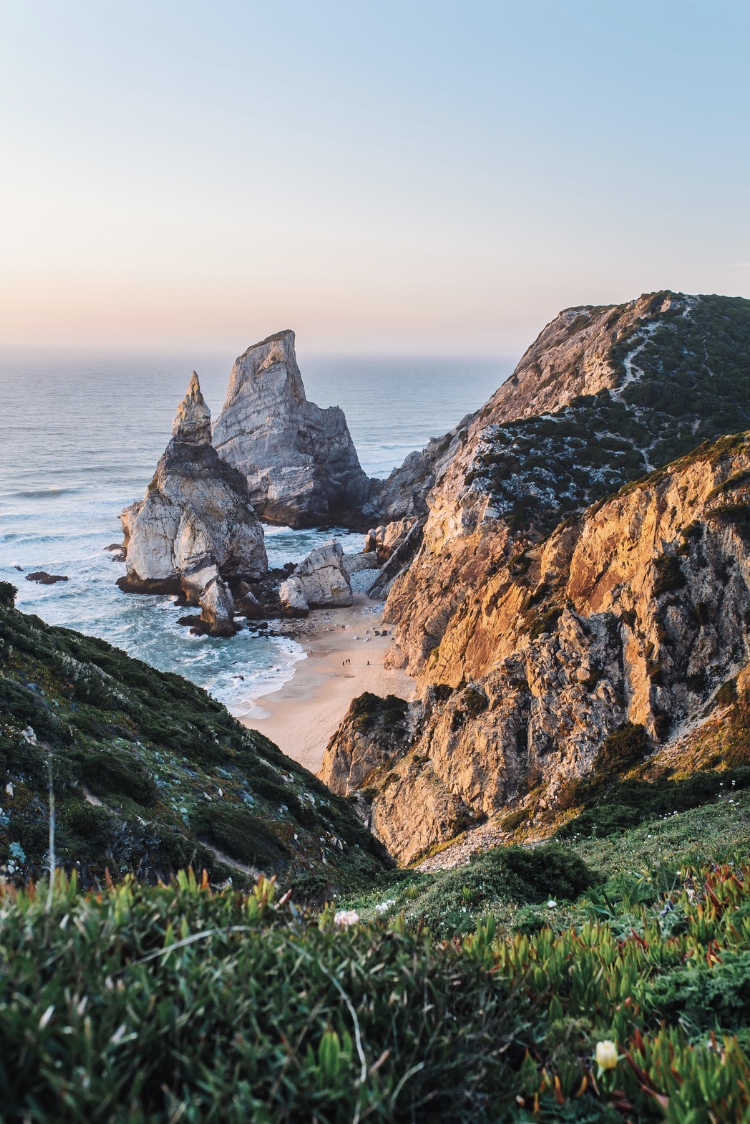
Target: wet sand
302,715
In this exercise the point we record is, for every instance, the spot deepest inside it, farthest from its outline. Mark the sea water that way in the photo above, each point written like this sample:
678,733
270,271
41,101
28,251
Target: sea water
80,436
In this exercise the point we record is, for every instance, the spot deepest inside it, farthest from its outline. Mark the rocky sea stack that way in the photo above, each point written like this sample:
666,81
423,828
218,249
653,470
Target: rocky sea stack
299,460
195,531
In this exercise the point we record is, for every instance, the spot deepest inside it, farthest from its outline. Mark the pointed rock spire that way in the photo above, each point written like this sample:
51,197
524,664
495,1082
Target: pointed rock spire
192,423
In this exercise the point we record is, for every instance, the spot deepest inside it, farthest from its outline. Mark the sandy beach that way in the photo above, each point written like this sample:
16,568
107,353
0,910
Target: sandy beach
344,658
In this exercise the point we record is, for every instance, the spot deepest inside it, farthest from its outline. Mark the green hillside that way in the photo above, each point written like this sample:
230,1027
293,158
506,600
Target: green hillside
150,774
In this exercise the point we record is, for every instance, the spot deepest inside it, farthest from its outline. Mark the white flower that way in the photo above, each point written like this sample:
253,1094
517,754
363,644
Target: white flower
606,1055
346,917
381,907
552,904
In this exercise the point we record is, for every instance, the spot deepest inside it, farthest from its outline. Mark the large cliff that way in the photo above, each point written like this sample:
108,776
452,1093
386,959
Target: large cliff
637,611
602,396
539,616
195,530
299,460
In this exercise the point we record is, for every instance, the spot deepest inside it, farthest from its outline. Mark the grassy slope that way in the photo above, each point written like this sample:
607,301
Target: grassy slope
166,1003
150,773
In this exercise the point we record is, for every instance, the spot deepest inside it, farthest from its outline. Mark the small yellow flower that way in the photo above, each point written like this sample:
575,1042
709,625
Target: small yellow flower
606,1055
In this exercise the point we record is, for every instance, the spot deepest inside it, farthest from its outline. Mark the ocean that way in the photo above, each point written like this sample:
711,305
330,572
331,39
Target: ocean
80,436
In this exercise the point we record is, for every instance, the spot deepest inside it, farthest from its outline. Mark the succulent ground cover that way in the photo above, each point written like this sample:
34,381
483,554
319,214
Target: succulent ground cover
150,774
181,1003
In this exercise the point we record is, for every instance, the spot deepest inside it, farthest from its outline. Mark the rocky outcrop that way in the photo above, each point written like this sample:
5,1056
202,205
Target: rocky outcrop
299,460
195,530
536,613
403,495
320,581
602,396
387,538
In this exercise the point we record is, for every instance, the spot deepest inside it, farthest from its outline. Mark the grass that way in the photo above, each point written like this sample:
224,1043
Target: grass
178,1003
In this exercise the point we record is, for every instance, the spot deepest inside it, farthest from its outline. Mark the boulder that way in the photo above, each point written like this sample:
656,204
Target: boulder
195,530
323,578
355,563
292,598
299,460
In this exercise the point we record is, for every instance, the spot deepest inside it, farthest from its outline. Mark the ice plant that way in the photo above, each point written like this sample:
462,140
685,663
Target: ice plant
606,1055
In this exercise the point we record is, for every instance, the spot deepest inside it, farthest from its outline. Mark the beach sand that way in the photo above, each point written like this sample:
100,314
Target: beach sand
301,715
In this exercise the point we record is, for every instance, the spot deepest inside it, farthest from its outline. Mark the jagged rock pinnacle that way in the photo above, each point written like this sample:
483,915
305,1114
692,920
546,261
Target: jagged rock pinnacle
192,423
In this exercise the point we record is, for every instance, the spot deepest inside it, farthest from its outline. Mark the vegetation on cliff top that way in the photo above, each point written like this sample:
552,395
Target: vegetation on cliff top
150,773
692,386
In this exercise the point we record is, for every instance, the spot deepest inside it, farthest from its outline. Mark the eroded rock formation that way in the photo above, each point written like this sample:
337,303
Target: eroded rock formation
195,530
387,538
299,460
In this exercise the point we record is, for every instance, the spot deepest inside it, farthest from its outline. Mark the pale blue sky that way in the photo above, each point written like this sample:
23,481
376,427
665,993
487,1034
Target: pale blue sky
382,176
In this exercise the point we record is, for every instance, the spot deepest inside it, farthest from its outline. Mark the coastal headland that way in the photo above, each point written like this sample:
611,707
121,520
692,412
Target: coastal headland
344,649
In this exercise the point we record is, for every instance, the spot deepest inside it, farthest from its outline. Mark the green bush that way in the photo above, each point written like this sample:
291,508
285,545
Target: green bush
668,575
624,747
514,819
8,594
243,835
624,804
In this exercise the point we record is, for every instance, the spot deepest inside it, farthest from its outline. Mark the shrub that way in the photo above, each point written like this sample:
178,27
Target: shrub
243,835
727,693
8,594
668,575
623,748
514,819
108,774
550,871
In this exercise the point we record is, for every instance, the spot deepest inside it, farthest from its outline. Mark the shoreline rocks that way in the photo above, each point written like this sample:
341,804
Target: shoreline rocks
195,531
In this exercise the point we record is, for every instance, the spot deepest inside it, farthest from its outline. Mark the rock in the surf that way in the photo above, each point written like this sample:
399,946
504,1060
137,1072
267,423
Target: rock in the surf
195,530
299,460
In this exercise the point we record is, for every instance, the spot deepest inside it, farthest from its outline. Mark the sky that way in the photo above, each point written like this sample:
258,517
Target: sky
385,176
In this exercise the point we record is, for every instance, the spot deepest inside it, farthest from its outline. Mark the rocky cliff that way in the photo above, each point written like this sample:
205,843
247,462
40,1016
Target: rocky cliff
299,460
195,531
601,397
637,611
539,616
